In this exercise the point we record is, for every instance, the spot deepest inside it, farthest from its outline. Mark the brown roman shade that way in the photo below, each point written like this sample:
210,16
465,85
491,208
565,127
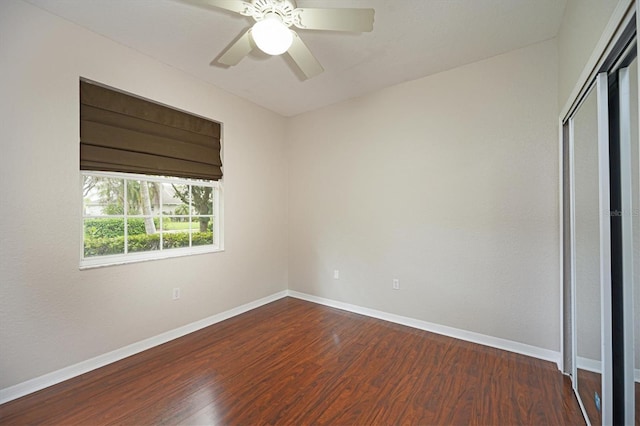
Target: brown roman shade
122,133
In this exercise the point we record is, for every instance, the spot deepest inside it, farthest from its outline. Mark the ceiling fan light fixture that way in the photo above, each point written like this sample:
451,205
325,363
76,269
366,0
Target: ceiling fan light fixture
271,35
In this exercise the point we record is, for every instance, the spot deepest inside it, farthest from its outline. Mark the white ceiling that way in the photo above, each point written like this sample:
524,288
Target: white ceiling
410,39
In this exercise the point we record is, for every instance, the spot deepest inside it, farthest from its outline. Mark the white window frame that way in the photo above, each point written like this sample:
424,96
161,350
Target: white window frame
161,253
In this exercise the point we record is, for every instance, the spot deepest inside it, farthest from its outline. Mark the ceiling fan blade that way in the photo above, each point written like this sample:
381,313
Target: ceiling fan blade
303,57
236,51
238,6
357,20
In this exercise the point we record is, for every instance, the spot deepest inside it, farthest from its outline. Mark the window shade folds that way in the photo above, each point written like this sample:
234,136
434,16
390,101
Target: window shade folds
122,133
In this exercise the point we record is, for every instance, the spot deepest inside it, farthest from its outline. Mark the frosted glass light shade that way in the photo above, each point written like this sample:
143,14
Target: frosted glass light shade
272,36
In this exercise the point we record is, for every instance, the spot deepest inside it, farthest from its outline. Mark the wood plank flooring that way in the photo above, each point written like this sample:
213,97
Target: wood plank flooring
588,384
296,363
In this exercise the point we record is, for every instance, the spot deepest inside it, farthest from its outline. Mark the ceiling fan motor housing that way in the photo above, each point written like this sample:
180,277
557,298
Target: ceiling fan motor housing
283,8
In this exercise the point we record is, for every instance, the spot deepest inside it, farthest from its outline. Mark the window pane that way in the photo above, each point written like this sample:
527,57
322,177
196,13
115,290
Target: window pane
103,236
103,196
143,198
175,199
175,224
142,234
201,200
159,214
175,232
202,231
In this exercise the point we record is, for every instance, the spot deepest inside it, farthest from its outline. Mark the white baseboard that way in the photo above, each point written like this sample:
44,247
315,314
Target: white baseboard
596,367
469,336
589,364
49,379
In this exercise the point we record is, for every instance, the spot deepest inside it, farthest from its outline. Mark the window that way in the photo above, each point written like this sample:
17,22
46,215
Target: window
150,179
128,217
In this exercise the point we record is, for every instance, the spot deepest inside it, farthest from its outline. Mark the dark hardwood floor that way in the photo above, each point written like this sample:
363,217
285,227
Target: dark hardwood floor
588,384
296,363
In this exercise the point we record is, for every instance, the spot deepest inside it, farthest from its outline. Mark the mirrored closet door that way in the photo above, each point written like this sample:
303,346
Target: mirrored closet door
601,237
629,213
590,235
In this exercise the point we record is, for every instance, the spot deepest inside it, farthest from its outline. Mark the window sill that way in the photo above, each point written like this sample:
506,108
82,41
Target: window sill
114,260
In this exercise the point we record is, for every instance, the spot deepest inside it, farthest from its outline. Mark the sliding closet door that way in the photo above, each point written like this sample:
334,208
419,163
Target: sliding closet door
586,243
601,251
629,214
633,291
591,252
633,248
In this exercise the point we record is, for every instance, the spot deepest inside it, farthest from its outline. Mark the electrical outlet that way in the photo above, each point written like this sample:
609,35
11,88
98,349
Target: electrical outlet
396,284
336,274
176,293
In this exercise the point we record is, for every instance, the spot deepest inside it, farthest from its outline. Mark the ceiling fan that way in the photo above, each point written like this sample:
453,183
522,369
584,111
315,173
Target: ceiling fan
272,34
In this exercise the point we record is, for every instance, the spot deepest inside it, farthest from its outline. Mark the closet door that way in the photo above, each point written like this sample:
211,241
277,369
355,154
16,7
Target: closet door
629,214
601,247
591,258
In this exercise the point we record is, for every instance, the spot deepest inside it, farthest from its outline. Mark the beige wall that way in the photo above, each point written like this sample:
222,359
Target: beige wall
448,183
52,315
582,25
